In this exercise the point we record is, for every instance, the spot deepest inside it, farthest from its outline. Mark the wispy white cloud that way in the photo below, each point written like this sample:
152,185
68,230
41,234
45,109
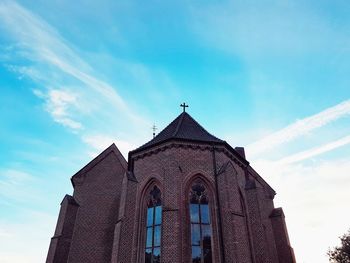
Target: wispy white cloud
41,43
299,128
307,189
314,152
58,103
73,93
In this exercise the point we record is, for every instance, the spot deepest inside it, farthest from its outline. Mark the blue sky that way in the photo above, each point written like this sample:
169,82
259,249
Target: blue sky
272,76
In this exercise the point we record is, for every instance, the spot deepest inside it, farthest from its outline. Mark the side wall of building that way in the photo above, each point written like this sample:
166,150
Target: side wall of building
86,223
98,193
284,250
61,241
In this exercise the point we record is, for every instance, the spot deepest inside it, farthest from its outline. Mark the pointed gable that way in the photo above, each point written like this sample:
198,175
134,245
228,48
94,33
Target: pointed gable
111,149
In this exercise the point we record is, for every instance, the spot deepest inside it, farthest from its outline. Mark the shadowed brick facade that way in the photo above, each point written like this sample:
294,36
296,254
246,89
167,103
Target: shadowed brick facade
105,219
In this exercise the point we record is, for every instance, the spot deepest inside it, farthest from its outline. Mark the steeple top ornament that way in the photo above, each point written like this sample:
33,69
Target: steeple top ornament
154,128
184,106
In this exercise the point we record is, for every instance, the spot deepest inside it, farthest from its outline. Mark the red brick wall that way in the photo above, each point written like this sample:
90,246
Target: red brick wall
110,221
174,168
126,251
98,196
284,250
61,241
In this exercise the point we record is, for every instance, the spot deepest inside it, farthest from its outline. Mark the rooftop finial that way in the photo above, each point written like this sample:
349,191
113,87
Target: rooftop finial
154,128
184,106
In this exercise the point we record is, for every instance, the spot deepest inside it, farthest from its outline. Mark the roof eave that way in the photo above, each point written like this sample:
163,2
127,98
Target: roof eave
212,143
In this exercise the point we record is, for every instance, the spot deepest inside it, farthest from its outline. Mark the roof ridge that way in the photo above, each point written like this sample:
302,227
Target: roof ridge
179,124
202,128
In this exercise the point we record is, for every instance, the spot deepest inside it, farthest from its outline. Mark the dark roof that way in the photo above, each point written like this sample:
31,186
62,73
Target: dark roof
184,127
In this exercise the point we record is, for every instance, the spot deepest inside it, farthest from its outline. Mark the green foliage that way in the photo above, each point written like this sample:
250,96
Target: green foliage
341,254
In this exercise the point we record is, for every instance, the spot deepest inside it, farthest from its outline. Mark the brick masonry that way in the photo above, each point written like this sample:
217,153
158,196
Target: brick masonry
104,220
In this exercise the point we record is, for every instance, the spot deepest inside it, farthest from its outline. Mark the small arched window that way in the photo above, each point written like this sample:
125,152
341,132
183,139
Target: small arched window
153,226
201,234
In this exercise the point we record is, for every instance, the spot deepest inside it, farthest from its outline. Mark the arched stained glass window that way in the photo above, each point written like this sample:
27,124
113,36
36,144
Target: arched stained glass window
153,226
201,233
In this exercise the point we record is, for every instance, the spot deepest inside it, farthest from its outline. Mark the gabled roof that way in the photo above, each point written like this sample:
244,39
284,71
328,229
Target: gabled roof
112,148
184,127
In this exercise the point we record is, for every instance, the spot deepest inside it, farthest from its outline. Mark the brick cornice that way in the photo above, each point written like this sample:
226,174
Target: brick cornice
224,148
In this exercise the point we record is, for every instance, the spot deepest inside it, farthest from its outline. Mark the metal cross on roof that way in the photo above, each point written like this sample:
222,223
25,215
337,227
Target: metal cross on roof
184,106
154,128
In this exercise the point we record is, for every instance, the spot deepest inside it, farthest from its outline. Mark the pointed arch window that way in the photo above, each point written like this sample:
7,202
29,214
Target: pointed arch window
153,226
201,233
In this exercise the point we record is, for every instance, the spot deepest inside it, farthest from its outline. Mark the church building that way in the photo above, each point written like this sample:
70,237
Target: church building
186,196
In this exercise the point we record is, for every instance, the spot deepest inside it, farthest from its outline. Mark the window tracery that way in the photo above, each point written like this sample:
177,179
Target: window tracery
153,226
201,234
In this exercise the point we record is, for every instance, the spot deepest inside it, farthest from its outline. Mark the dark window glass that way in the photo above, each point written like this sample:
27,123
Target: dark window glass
149,237
196,254
150,216
148,255
194,210
153,226
206,232
158,219
157,236
156,254
196,234
205,214
200,224
207,255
